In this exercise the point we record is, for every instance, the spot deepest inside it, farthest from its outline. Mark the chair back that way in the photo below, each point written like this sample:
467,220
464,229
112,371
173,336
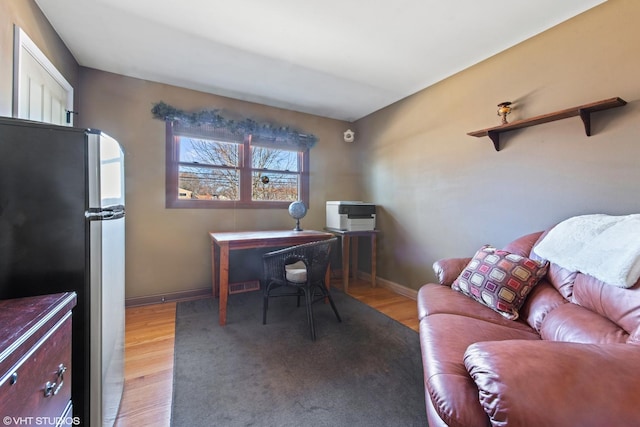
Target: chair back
314,255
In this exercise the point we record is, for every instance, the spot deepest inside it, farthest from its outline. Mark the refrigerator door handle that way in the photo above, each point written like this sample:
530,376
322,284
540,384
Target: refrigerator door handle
104,214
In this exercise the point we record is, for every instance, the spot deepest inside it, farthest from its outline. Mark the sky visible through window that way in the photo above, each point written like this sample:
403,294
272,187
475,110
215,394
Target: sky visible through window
212,170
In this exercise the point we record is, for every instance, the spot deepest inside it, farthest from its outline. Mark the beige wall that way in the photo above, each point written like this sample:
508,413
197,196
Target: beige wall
168,249
443,193
26,15
440,192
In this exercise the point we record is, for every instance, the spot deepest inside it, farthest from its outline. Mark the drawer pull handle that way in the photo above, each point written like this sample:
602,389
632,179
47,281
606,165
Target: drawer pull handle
48,388
51,389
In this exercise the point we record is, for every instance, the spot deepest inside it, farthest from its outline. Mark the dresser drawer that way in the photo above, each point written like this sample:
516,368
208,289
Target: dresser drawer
39,383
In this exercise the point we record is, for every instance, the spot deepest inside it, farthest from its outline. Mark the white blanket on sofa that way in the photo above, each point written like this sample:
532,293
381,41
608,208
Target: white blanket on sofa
603,246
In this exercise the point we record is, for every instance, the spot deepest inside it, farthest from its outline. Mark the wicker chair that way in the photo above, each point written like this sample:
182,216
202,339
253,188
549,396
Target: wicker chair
301,268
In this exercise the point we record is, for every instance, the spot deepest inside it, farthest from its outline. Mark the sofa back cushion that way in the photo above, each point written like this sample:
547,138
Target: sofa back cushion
561,278
621,306
572,323
542,300
523,245
549,293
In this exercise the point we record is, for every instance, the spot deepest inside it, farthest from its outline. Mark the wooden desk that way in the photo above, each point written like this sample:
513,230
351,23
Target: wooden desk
222,243
349,244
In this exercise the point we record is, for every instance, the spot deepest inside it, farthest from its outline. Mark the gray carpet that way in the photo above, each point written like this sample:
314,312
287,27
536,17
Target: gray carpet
365,371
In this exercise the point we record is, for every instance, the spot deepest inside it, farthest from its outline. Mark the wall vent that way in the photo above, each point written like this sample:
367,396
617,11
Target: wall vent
237,288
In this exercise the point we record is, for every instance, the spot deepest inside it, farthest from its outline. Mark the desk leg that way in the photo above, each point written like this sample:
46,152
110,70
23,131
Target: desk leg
345,263
214,279
354,257
224,282
373,259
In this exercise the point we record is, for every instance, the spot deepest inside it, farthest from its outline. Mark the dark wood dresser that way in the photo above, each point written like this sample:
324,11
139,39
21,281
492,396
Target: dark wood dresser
35,360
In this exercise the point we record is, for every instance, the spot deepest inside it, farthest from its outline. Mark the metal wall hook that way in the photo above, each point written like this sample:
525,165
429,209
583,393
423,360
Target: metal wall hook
69,113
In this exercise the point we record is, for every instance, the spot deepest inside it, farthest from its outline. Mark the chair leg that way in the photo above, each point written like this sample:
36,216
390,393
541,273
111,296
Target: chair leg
265,305
309,302
327,294
335,310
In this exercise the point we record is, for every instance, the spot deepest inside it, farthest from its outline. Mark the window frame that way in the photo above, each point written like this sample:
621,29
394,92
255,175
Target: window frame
173,201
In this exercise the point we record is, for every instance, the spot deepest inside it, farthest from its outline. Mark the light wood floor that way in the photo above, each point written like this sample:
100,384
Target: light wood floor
149,343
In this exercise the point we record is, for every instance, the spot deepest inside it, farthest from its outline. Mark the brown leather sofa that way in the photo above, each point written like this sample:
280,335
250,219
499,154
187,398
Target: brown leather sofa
572,358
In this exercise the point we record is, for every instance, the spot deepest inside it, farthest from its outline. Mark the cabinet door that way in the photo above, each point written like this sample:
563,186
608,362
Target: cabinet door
39,384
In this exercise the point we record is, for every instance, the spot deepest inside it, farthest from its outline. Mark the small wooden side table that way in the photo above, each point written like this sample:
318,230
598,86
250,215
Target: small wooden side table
350,243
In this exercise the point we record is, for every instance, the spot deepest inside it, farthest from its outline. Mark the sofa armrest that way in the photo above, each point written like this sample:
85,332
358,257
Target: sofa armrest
447,270
528,383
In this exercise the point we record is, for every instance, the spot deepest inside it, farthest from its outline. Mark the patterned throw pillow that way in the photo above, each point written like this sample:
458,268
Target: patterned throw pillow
499,279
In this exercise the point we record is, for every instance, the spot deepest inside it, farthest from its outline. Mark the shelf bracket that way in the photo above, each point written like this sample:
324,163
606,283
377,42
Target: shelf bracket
586,119
495,137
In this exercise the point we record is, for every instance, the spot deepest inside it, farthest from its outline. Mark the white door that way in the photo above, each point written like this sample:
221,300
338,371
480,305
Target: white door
41,92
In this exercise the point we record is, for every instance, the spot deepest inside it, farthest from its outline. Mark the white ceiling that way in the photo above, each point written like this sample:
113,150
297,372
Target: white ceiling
341,59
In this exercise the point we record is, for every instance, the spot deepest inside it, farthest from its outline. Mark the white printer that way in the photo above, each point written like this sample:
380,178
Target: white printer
351,215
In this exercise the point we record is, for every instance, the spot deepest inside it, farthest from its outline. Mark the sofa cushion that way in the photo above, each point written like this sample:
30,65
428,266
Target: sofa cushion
444,339
542,300
437,299
620,305
296,272
572,323
449,269
500,279
524,245
561,278
553,384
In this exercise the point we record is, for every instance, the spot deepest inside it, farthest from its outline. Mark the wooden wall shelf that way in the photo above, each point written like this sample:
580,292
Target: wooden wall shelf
584,111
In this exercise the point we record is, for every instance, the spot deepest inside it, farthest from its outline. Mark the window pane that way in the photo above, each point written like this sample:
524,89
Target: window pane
274,158
194,150
274,186
213,168
208,183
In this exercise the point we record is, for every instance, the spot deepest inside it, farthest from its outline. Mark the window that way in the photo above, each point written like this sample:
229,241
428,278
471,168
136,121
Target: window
211,167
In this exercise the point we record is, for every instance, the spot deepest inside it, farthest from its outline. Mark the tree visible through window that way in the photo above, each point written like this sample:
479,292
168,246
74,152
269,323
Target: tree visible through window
213,168
275,174
208,169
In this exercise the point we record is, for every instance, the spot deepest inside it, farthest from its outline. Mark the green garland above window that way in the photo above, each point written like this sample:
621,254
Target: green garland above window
280,135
